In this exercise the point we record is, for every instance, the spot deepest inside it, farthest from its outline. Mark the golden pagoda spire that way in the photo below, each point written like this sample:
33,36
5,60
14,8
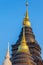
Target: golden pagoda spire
7,60
23,46
26,21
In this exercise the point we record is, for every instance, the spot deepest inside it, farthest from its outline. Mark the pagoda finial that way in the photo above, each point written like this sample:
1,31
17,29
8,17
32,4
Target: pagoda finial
26,3
27,9
8,46
26,21
23,46
7,60
8,52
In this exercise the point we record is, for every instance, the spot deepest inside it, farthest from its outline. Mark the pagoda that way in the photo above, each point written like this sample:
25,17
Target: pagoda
23,56
32,52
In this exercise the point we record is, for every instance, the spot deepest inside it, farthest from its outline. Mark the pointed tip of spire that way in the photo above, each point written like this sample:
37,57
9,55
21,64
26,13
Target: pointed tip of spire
8,46
26,3
26,21
7,57
23,41
27,17
8,52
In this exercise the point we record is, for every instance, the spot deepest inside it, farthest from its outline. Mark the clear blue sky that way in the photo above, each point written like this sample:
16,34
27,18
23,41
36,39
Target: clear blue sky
11,17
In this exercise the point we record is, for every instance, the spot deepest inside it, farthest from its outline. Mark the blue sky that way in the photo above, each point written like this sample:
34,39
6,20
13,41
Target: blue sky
11,17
